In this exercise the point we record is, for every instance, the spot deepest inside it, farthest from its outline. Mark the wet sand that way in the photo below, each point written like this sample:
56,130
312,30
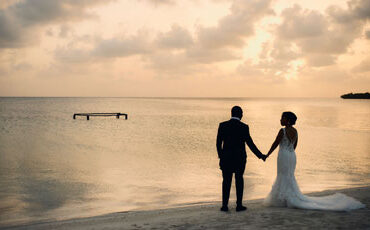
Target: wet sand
208,216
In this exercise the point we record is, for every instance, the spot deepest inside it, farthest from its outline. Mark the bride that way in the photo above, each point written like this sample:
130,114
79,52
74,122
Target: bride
285,191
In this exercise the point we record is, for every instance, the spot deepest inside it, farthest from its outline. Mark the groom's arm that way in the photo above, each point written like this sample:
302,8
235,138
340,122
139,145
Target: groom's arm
219,141
251,144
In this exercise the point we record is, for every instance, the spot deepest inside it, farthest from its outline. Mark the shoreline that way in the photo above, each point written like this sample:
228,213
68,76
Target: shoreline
208,216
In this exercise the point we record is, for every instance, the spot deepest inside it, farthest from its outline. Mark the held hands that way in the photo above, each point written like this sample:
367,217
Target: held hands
264,157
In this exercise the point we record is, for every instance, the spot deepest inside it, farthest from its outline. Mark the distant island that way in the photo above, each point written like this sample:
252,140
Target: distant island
356,96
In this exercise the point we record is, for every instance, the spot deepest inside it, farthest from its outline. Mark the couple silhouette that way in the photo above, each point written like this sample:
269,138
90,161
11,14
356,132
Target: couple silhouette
231,139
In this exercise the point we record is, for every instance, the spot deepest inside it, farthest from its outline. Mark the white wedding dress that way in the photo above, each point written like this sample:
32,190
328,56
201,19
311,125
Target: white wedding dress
285,191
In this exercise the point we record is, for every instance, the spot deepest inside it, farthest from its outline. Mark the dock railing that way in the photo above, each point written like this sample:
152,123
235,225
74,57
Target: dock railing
88,115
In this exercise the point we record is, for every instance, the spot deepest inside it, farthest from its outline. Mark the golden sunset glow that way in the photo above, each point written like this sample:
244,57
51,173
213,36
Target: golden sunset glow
195,48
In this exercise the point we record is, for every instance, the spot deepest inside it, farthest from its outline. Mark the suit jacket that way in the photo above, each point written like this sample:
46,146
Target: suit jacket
231,138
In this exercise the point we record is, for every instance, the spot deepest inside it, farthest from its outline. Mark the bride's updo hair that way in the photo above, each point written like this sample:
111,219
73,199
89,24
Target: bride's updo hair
291,117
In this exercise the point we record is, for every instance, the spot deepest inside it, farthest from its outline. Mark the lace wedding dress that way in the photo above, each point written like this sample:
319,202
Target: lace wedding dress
285,191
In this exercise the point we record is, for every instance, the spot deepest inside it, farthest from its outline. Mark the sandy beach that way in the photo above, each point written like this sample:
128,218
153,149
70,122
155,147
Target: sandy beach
208,216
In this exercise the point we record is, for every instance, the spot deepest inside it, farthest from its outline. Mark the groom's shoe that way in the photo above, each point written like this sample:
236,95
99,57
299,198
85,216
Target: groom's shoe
240,208
224,208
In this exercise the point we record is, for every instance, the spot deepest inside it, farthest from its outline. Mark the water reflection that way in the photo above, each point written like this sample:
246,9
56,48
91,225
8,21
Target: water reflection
42,195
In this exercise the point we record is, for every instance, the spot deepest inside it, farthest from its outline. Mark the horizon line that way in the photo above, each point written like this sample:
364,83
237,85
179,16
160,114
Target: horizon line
173,97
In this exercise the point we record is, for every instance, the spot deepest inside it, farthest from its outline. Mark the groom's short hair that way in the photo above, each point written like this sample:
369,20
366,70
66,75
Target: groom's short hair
236,111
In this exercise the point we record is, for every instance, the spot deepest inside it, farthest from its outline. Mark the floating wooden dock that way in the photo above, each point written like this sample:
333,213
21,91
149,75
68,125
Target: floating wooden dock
88,115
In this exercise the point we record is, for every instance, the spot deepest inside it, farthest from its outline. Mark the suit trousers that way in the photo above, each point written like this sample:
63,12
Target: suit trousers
226,185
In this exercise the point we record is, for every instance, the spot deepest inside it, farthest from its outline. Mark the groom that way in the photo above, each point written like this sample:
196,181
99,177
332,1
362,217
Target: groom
231,138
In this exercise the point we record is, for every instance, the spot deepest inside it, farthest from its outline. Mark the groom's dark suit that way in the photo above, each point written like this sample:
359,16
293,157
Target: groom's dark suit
231,138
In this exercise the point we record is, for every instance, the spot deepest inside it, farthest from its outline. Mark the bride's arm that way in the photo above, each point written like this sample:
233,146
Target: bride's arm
296,142
276,142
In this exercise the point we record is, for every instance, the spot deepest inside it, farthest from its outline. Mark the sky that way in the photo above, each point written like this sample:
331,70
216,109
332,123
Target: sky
184,48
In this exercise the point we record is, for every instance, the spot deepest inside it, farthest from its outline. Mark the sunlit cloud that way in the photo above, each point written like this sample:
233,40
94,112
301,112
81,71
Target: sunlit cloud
288,46
364,66
21,21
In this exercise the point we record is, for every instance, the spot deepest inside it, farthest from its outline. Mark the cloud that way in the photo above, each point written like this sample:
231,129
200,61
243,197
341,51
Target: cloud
258,73
103,49
21,20
177,38
360,9
160,2
5,3
207,56
113,48
188,60
174,2
276,62
312,32
304,36
177,49
222,42
64,31
367,34
364,66
165,62
320,60
298,23
10,32
282,50
219,43
318,38
232,29
36,12
72,56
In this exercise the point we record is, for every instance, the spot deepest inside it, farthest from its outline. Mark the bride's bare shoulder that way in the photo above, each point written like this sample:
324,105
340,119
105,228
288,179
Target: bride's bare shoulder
292,132
295,130
292,129
280,134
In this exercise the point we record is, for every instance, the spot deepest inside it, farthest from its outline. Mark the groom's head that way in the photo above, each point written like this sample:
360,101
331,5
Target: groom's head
236,111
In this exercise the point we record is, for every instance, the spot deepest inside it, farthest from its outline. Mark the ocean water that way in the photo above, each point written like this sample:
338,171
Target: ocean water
54,167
